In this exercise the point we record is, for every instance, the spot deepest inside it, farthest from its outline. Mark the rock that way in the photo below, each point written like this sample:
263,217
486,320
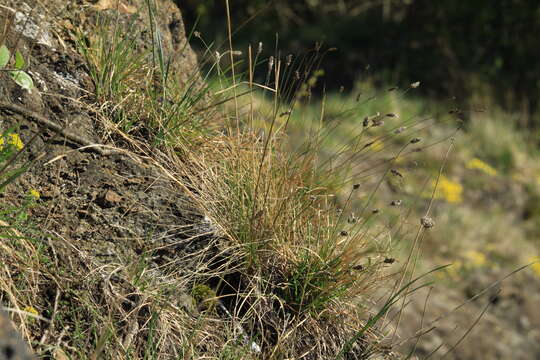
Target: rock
108,199
12,346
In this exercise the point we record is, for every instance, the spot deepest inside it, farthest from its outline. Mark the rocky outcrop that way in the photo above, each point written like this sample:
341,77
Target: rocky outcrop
100,200
12,347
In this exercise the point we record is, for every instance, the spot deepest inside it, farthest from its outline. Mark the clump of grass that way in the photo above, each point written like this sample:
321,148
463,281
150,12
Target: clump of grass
300,266
136,87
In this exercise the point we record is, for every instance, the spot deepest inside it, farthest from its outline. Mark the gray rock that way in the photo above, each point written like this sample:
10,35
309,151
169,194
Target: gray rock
12,346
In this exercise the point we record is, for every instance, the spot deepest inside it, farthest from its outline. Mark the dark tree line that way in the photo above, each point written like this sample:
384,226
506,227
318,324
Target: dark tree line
453,47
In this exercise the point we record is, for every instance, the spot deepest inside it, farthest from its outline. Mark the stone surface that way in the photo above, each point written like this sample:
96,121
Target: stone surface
12,346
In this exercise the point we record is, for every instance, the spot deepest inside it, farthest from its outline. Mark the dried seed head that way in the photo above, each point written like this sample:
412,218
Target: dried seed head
260,48
341,89
285,113
400,130
358,267
377,122
396,173
365,123
415,140
197,34
237,53
289,59
427,222
414,85
297,75
395,202
356,186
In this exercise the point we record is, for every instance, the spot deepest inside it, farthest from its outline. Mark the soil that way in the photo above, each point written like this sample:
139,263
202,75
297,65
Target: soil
509,329
97,201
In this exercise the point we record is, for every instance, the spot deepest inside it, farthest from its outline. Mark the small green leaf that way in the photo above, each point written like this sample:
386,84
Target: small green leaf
22,78
4,56
19,60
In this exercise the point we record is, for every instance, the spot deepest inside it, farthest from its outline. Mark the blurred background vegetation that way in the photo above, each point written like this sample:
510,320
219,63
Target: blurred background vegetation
469,50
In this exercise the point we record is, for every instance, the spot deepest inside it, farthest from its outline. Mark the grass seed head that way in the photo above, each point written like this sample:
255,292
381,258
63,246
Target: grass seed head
396,173
427,222
400,130
365,123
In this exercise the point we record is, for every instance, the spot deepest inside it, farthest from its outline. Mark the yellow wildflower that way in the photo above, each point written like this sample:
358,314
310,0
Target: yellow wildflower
34,193
31,310
536,265
447,189
477,259
13,139
478,164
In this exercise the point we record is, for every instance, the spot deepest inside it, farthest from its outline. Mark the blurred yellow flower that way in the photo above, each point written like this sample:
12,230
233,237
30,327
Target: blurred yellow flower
34,193
476,258
13,139
447,189
31,310
454,269
536,265
478,164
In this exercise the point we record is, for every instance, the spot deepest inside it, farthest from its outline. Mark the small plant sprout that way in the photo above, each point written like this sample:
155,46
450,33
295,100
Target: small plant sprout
17,74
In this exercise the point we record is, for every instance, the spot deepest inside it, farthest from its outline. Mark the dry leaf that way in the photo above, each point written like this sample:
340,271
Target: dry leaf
127,9
59,354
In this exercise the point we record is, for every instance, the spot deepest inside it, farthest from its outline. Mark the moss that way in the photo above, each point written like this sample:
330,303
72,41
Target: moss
205,297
